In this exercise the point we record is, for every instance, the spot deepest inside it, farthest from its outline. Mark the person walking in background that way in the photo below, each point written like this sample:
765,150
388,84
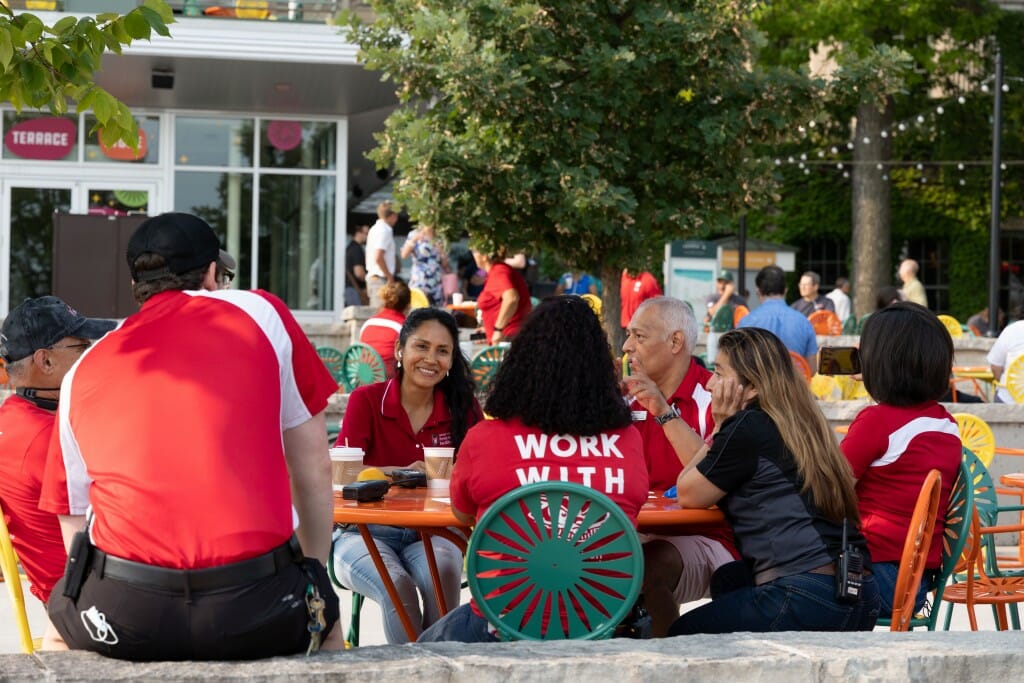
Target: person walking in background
810,300
913,290
504,302
840,298
429,263
562,346
42,339
194,436
775,470
907,357
429,402
635,287
381,331
789,325
355,268
381,264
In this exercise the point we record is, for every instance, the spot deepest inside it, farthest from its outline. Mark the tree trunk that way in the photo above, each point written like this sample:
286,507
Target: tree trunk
871,210
611,307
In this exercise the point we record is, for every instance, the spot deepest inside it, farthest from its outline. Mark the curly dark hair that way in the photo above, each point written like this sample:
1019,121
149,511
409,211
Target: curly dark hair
457,386
558,375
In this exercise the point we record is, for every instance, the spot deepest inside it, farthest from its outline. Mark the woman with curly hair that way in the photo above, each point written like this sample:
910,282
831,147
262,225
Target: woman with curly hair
775,470
558,416
382,330
429,402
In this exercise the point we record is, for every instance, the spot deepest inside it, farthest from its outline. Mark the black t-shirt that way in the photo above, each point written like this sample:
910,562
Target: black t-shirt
355,255
778,529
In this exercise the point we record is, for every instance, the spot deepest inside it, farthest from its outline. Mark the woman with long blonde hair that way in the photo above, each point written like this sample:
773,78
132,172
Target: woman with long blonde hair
776,472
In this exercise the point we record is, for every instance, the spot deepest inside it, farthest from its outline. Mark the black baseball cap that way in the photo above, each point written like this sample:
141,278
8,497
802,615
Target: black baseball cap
40,323
185,241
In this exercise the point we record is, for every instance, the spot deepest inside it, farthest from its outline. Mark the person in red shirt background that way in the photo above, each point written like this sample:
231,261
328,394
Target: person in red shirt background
381,331
907,357
559,416
42,339
635,287
505,300
429,402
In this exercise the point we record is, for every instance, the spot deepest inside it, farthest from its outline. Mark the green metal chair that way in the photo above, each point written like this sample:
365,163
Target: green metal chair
860,323
958,523
332,359
554,561
484,367
850,325
721,321
361,365
357,598
983,490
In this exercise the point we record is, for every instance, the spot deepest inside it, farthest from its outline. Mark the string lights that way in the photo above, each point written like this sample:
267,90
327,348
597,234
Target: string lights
834,156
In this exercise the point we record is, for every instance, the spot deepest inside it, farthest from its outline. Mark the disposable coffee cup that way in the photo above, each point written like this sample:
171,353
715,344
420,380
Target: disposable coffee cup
439,466
457,298
346,464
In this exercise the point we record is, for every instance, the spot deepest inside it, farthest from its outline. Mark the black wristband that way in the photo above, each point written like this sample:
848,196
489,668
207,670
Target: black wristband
499,329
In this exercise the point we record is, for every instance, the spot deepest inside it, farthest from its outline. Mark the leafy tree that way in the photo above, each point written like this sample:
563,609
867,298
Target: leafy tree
597,130
889,56
47,66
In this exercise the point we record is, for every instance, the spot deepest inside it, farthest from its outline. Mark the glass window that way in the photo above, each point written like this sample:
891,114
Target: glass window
212,142
32,212
297,144
224,200
117,202
40,137
297,239
827,258
149,143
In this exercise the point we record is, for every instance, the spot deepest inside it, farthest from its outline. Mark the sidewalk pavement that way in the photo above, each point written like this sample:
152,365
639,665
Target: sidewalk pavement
371,629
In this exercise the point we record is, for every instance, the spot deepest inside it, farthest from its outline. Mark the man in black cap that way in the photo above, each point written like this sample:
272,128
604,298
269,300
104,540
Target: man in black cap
40,340
725,294
195,436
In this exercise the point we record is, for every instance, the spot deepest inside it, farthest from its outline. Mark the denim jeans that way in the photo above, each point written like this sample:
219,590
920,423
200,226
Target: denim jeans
406,562
461,625
885,577
802,602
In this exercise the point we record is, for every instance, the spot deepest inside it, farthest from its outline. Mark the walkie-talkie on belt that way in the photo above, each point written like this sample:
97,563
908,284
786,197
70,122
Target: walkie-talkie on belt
849,571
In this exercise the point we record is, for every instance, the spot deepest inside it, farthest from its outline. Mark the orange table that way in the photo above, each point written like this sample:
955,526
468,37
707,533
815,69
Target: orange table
430,513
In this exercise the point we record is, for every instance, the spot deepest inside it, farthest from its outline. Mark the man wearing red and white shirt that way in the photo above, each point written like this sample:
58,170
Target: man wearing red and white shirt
193,436
672,409
43,338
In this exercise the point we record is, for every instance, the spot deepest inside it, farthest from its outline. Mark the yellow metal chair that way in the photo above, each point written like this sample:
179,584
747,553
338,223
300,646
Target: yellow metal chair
826,388
9,563
952,326
976,435
1014,379
417,299
594,302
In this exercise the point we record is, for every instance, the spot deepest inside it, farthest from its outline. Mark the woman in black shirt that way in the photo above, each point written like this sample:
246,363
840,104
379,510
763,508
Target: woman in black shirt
777,473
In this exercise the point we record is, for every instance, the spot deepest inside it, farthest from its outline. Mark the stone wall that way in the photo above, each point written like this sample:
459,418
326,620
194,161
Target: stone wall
874,656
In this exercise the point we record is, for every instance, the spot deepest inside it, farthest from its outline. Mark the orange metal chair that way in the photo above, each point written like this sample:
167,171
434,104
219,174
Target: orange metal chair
915,552
826,323
800,363
979,588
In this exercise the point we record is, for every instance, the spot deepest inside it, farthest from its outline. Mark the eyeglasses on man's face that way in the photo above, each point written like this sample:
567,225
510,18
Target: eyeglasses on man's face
79,345
225,277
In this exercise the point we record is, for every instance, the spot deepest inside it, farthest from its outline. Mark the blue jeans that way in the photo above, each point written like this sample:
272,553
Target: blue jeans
460,625
802,602
885,577
406,562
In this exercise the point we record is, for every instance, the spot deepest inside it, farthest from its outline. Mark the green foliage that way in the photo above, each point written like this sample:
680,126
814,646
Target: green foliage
46,67
594,130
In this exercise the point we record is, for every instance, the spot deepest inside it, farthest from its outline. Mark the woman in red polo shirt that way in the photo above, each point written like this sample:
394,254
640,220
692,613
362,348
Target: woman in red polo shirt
429,402
505,300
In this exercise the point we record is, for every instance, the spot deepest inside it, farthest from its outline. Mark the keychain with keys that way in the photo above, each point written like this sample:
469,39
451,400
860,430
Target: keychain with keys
315,606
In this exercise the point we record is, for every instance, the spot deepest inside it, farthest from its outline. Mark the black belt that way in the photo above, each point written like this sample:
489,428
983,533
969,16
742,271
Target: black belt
187,580
830,570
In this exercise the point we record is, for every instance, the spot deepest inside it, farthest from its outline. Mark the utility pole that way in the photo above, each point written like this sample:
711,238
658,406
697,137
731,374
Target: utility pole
997,159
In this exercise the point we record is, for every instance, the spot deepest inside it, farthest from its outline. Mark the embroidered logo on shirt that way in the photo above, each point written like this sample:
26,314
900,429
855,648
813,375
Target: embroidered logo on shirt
96,625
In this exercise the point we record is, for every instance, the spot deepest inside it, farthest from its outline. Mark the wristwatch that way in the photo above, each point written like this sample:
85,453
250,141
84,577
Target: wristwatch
672,414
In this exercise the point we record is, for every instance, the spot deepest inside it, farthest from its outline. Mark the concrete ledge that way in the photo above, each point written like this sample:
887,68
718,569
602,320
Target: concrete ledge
875,656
